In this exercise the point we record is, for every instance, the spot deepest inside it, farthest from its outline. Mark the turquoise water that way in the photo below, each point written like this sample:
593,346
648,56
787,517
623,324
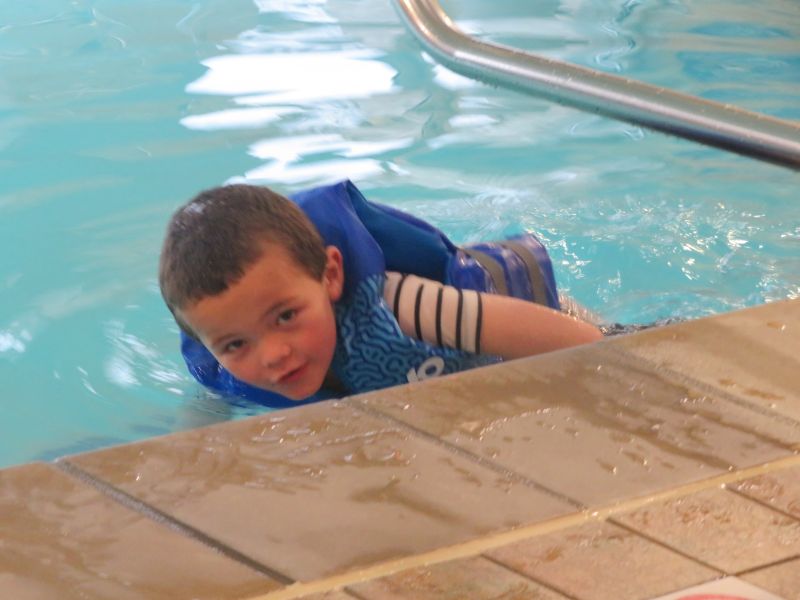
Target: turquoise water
112,113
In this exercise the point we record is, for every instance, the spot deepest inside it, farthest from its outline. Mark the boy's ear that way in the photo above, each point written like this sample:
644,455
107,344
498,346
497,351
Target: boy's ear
334,273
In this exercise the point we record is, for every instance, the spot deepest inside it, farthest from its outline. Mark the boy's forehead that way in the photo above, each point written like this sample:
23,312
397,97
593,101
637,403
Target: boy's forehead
277,253
266,281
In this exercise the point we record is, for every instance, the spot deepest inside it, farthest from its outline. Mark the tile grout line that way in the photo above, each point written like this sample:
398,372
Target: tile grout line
766,505
354,594
726,572
361,406
547,586
478,546
166,520
617,353
777,563
656,542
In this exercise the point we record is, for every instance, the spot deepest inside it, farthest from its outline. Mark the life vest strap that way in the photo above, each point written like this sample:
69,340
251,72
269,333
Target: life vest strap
497,273
491,265
534,271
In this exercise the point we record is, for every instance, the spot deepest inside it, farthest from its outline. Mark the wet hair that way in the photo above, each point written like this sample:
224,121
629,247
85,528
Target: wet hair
215,237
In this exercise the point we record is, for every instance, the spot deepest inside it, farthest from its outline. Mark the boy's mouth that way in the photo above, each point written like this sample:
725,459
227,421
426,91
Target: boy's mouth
293,375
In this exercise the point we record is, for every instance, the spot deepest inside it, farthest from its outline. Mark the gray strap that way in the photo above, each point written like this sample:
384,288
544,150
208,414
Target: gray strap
492,266
534,271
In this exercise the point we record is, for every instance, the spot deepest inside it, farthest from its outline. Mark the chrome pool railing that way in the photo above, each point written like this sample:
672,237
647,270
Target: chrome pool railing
720,125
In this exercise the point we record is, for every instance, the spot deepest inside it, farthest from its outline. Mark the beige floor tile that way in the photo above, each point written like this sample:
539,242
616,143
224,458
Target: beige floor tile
320,489
780,489
782,579
600,561
720,528
754,353
62,539
474,579
588,424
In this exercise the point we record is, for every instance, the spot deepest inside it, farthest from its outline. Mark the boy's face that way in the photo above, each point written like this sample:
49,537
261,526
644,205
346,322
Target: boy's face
275,327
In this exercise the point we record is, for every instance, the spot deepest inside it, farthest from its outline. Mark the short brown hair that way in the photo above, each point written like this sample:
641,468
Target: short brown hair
212,240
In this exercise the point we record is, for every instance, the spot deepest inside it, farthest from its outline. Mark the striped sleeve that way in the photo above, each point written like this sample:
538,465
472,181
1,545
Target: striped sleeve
435,313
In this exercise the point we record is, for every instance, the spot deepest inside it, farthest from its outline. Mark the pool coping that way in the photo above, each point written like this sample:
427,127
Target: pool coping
398,491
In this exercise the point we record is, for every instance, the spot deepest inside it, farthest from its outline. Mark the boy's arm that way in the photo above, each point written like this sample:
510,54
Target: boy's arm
486,323
513,328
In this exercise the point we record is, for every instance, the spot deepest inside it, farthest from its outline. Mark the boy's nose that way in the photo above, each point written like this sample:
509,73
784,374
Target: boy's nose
273,353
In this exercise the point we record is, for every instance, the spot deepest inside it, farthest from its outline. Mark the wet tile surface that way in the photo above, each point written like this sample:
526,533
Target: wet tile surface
600,561
720,528
589,424
320,489
474,578
62,539
780,489
782,579
754,353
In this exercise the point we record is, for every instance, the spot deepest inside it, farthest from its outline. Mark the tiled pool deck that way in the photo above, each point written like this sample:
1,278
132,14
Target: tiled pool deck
625,470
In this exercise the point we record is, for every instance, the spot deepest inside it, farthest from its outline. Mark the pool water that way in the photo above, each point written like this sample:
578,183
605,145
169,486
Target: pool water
113,113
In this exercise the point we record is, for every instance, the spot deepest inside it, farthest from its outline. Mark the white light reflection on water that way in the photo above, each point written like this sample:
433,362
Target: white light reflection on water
309,11
272,85
288,149
329,170
285,155
244,118
133,358
296,77
13,343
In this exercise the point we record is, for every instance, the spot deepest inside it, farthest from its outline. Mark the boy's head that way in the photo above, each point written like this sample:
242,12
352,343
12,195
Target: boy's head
212,239
244,271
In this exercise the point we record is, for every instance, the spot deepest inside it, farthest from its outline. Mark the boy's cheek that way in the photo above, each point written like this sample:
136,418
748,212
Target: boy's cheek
237,371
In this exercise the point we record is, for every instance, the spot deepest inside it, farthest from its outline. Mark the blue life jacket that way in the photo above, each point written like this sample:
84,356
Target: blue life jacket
371,351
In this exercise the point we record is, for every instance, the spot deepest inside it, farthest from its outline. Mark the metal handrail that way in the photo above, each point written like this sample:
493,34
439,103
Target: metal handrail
711,123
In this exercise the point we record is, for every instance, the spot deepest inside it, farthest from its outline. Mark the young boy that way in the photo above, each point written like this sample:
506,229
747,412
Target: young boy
286,302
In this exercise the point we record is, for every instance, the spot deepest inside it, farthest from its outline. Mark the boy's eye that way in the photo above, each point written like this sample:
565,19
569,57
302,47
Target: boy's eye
286,316
232,346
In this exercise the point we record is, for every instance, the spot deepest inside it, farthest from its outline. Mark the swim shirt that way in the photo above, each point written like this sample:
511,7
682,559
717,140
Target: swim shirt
435,313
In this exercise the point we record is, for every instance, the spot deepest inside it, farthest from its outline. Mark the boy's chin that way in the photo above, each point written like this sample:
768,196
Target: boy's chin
294,396
300,392
297,391
299,397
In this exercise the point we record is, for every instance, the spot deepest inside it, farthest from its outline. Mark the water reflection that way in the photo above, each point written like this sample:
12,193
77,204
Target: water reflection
308,11
273,85
132,358
285,157
295,78
236,118
325,170
9,342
